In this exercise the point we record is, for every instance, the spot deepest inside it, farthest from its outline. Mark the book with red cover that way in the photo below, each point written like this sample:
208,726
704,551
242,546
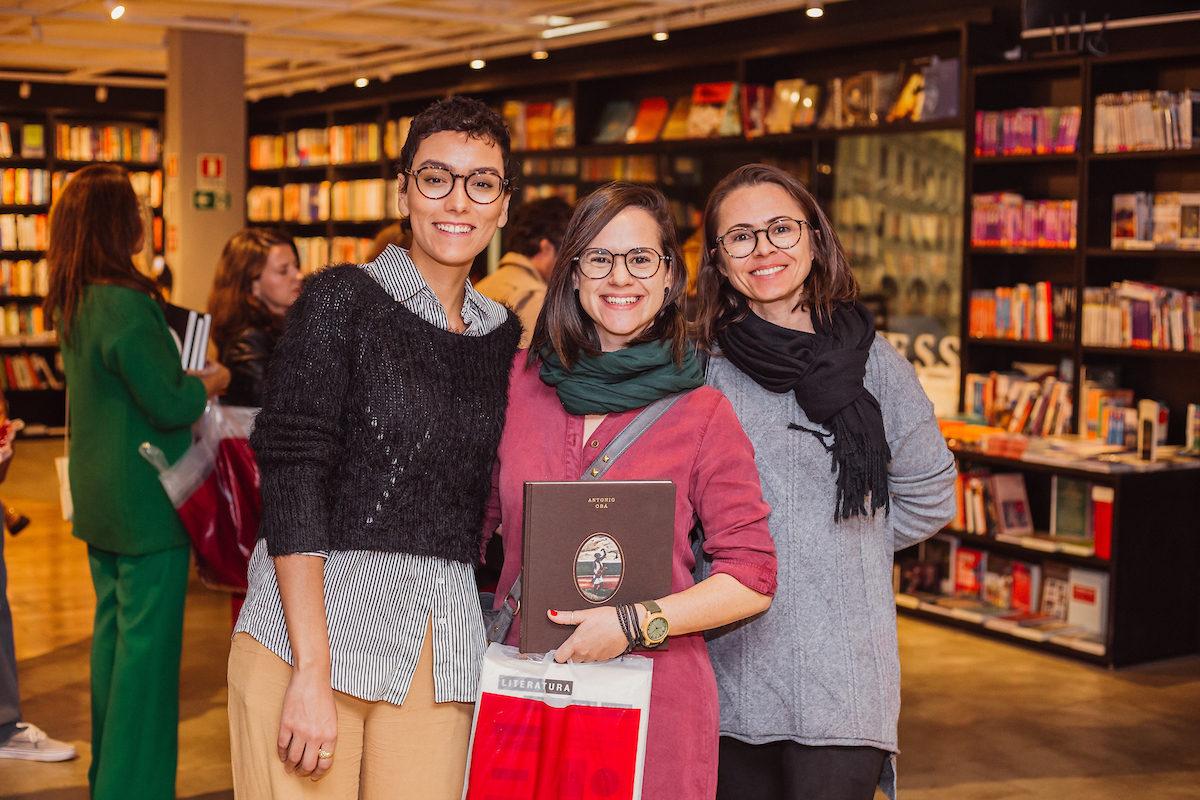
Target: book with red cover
589,544
969,567
651,116
1102,511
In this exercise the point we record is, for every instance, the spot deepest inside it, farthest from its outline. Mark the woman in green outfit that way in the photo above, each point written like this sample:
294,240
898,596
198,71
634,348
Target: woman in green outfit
127,387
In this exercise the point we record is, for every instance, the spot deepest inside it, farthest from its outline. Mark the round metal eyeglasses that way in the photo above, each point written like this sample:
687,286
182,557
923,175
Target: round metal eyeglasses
483,186
783,233
640,262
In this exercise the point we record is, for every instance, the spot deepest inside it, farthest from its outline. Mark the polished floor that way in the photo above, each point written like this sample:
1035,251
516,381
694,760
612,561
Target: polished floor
981,720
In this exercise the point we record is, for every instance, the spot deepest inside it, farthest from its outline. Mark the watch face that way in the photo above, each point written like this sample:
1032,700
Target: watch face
656,629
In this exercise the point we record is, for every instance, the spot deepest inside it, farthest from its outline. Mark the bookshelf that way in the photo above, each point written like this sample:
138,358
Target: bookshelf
76,131
1154,593
591,77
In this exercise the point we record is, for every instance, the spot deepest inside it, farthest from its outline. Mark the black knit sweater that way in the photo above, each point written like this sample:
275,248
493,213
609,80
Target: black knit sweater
378,430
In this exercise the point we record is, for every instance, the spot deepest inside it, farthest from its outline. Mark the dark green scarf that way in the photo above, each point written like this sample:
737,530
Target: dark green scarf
625,379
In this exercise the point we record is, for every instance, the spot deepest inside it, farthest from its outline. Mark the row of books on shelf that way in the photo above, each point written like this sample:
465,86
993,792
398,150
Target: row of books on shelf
537,191
106,143
924,90
1146,120
24,319
337,144
540,126
30,143
997,506
1027,131
35,187
24,278
1046,601
1020,402
25,371
1042,312
1006,219
316,252
27,232
1156,221
1142,316
354,201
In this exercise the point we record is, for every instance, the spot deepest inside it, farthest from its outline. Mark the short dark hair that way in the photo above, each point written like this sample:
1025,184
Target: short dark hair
462,115
531,222
563,323
829,282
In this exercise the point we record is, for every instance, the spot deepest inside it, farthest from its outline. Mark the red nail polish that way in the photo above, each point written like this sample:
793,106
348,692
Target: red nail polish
553,613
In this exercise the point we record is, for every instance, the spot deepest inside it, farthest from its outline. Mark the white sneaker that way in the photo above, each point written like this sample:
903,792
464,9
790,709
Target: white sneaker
32,744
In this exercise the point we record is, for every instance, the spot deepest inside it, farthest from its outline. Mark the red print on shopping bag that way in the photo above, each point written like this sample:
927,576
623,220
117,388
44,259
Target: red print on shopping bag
527,750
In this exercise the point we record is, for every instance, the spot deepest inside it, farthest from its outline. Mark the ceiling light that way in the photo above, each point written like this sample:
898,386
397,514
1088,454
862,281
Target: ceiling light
661,34
540,53
579,27
816,8
24,90
478,63
101,93
361,82
551,21
115,9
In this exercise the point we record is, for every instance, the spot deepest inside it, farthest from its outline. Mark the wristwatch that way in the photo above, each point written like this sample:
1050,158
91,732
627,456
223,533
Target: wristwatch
656,627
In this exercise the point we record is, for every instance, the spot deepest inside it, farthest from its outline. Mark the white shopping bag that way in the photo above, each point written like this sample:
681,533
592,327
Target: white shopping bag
545,730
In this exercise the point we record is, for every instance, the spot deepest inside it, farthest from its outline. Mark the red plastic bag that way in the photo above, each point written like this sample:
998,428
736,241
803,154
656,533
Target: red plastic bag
545,730
215,488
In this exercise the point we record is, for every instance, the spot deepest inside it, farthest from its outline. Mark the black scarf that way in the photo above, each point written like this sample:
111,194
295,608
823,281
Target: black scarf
825,371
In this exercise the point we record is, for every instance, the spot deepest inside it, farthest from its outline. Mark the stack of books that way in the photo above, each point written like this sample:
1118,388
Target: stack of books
1019,404
1146,120
1006,219
1027,131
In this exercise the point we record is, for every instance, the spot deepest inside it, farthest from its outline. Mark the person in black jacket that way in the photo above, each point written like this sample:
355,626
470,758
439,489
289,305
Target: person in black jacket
258,279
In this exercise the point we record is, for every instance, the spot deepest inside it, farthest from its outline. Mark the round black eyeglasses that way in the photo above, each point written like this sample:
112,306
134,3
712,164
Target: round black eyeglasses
783,233
640,262
482,186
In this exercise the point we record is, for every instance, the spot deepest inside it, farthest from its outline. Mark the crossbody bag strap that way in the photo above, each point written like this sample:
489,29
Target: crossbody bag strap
616,448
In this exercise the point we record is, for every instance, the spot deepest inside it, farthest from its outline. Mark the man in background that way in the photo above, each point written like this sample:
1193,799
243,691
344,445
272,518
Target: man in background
532,237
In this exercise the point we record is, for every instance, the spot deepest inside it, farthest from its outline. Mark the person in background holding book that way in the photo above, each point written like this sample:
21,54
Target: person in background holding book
612,339
853,467
258,278
531,241
127,387
356,659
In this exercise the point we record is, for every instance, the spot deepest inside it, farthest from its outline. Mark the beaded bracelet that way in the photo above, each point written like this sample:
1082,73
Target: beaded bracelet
626,628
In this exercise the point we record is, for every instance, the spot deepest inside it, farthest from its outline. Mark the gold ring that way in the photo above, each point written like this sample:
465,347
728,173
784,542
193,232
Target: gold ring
324,754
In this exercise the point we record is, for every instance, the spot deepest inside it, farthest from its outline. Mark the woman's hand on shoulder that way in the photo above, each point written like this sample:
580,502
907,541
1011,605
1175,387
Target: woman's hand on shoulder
597,636
308,724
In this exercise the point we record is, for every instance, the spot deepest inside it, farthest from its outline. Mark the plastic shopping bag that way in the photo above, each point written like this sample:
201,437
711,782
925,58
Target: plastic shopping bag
215,488
544,730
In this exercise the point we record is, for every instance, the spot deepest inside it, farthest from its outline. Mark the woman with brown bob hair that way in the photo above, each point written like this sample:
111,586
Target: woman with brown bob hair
853,467
258,278
127,387
611,340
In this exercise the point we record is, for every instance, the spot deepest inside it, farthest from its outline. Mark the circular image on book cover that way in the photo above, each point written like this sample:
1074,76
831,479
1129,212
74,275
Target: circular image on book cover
599,567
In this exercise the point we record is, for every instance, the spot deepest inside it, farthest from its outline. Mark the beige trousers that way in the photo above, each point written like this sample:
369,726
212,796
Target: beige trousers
418,749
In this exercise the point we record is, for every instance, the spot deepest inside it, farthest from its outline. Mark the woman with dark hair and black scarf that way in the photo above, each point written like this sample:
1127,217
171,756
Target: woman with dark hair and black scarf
854,468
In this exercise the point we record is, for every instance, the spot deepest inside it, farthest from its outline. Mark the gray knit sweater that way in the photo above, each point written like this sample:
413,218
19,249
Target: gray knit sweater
821,666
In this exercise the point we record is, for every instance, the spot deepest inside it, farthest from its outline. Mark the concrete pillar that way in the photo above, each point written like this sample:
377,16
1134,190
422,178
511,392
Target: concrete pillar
206,122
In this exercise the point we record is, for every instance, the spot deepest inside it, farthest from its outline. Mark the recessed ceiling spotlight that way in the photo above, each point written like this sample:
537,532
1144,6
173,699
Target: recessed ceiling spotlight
661,34
102,94
478,63
816,8
540,53
361,82
115,9
24,90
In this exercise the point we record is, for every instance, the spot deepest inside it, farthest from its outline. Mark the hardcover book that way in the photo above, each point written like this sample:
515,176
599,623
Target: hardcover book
589,544
615,121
